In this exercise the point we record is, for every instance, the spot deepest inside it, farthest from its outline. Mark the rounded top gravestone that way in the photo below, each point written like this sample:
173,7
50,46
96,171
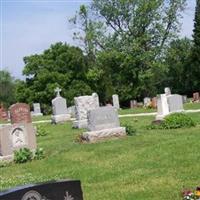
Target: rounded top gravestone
20,113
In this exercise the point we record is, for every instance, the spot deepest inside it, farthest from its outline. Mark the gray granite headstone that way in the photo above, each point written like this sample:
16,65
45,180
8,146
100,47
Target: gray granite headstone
36,110
115,98
103,123
175,102
147,101
102,118
59,107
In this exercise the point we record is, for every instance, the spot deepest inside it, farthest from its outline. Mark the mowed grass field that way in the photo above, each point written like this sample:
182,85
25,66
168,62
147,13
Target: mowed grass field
153,164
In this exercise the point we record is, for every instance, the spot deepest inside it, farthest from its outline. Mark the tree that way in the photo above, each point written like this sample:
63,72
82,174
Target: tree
194,68
177,62
136,31
7,88
60,65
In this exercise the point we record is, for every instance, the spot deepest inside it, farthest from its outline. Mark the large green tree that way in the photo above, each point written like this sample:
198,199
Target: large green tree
60,65
129,39
7,88
177,61
194,68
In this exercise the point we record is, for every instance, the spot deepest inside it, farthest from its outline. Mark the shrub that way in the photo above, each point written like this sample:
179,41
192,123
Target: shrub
23,155
177,120
39,154
41,131
130,130
173,121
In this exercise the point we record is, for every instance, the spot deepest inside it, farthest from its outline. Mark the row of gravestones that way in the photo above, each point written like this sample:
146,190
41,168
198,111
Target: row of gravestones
101,122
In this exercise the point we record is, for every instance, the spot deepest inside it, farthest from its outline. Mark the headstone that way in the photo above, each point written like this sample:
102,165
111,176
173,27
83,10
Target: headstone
19,134
175,103
3,113
162,107
71,111
59,107
147,101
55,190
115,99
184,97
103,123
154,102
196,97
82,105
16,136
133,104
167,104
36,110
20,113
167,91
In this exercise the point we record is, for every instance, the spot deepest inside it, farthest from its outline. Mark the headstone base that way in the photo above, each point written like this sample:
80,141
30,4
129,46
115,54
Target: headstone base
6,158
161,117
80,123
60,118
36,114
93,136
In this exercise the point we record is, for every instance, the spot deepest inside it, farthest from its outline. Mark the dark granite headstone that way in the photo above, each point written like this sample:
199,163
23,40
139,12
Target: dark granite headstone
55,190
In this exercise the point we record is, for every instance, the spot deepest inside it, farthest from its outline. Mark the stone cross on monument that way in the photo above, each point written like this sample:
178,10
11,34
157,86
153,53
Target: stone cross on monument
58,90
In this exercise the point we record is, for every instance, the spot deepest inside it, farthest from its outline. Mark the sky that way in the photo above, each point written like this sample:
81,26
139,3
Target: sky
29,27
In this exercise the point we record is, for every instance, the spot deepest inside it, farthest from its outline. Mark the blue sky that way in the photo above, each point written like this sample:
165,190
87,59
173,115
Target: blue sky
30,26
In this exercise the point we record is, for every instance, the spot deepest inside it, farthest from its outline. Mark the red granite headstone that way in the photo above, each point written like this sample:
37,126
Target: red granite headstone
20,113
196,96
154,102
3,113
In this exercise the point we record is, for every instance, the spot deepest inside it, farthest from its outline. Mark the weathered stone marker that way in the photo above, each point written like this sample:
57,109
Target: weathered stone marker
82,105
36,110
55,190
20,113
167,104
19,134
59,106
103,123
115,99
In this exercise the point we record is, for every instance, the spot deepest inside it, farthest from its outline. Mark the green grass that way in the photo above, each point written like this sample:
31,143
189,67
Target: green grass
192,106
40,118
136,111
151,165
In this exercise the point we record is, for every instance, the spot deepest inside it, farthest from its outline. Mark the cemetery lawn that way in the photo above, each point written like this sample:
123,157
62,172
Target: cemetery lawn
192,106
151,165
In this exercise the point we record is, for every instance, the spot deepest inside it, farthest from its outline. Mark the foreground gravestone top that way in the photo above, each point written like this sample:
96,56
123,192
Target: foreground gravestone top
20,113
57,190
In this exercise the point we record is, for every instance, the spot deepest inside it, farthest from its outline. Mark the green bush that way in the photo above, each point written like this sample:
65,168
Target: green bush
39,154
174,121
178,120
130,130
23,155
41,131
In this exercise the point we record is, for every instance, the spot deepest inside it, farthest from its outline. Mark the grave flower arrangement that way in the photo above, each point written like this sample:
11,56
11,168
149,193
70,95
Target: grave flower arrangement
191,195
